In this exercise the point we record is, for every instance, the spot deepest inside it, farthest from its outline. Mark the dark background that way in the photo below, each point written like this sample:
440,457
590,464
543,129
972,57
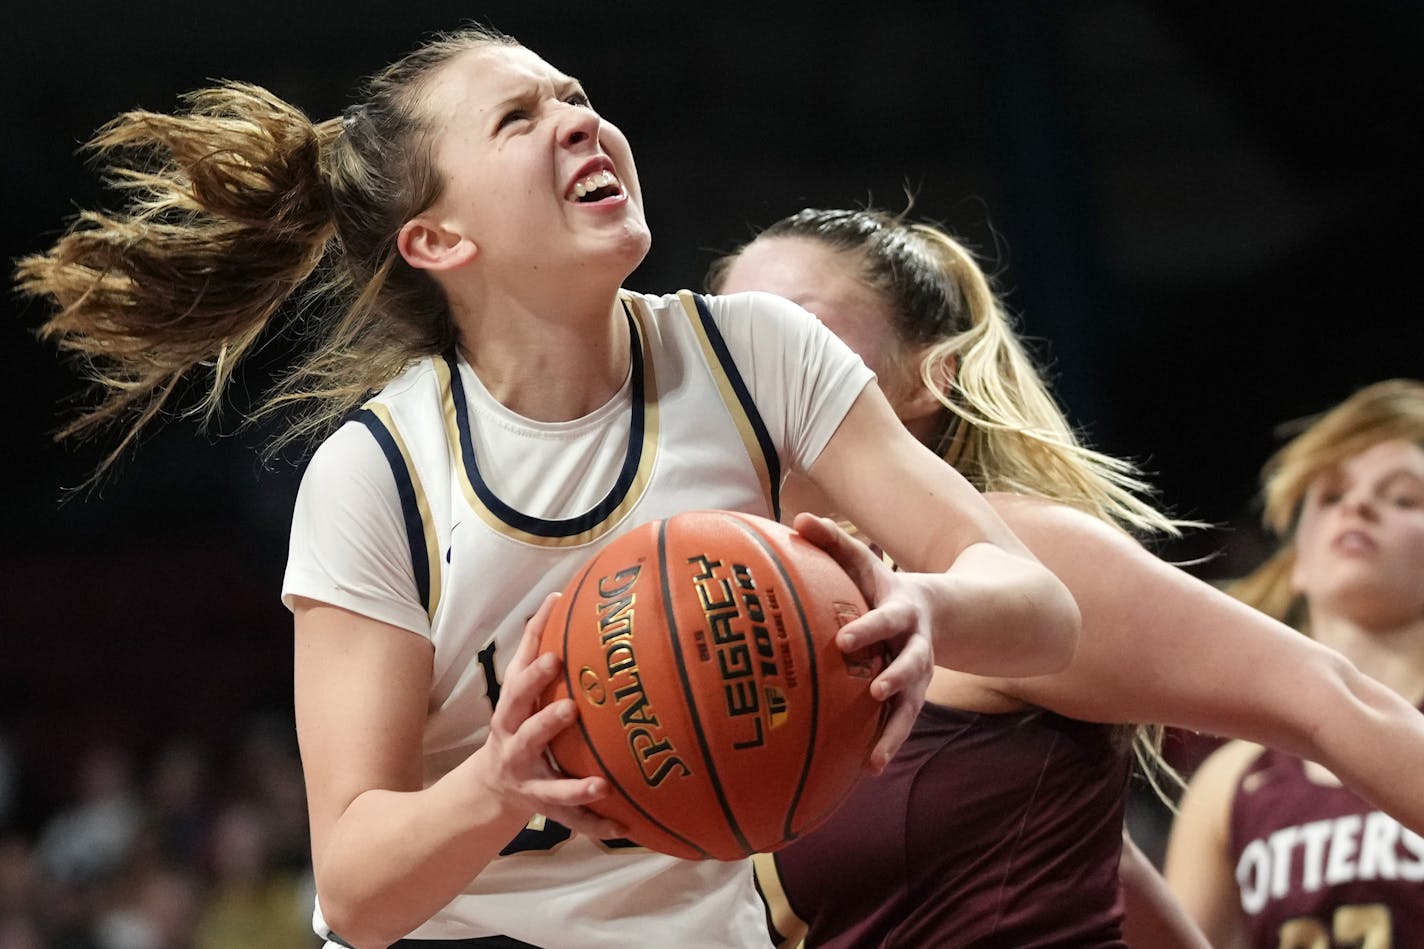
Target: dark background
1206,217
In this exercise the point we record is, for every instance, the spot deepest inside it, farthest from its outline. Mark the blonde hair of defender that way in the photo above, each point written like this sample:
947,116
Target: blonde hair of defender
1001,428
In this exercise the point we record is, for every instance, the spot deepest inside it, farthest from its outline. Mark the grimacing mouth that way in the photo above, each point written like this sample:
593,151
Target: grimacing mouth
596,187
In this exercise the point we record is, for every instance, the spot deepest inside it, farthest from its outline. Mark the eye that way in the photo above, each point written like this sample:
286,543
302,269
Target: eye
510,117
579,98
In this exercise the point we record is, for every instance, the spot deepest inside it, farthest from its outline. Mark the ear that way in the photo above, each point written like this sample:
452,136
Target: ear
427,245
920,403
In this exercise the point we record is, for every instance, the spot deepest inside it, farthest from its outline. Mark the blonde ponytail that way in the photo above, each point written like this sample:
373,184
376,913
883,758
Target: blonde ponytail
226,215
240,209
1003,430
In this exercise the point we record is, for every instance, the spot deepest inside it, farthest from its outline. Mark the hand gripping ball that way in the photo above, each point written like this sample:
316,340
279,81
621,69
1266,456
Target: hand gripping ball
700,650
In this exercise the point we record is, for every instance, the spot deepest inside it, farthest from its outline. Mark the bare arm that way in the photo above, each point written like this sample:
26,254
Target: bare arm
1153,917
1199,870
387,852
970,594
1161,646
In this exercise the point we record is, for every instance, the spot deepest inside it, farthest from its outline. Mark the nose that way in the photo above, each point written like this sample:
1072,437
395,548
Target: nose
578,126
1360,502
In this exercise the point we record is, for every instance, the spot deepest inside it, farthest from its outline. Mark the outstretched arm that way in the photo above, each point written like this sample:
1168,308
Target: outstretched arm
967,586
1161,646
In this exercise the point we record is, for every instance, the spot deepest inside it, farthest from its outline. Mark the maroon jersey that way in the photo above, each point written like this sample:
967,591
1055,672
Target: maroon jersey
985,830
1319,868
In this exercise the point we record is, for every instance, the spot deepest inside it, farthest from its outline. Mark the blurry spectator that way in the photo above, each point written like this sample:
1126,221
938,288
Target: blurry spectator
177,800
268,772
9,783
152,864
16,874
18,931
158,911
253,903
91,838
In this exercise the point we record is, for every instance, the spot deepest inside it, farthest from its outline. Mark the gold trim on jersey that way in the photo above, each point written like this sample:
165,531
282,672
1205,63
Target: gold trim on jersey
422,506
790,928
745,426
629,492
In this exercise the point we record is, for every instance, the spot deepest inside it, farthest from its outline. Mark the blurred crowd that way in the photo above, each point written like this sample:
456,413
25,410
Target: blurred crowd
191,844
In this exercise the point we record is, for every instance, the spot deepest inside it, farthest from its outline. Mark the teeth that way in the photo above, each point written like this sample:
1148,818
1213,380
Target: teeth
593,182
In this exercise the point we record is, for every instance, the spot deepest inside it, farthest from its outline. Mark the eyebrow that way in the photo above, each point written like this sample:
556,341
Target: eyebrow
1335,476
1407,474
532,90
569,84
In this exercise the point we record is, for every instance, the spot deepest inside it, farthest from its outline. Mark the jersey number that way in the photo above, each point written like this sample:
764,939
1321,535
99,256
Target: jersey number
540,833
1366,926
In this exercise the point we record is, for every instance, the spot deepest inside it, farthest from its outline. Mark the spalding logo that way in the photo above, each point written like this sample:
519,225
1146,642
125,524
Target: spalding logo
592,686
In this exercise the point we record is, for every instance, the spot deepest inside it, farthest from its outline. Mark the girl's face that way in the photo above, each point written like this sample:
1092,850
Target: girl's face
1360,538
531,174
825,281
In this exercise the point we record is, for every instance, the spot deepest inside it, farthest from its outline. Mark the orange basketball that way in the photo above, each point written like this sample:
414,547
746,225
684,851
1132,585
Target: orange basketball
712,696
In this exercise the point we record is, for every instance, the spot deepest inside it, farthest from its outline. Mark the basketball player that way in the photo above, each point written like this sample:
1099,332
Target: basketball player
1269,850
472,222
1000,820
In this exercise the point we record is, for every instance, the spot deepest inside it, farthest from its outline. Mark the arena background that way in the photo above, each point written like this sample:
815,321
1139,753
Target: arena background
1205,215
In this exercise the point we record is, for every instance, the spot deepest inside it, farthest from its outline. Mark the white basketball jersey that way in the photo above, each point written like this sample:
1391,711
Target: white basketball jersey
441,511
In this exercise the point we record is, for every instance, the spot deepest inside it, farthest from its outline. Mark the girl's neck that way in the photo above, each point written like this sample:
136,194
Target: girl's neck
549,365
1393,656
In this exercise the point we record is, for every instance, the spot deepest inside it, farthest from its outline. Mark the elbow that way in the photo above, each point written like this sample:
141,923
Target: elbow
355,922
1044,641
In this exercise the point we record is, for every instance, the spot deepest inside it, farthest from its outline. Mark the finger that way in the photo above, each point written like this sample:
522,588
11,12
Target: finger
562,791
584,821
520,694
903,684
534,631
829,536
541,727
884,624
910,668
818,530
898,722
852,555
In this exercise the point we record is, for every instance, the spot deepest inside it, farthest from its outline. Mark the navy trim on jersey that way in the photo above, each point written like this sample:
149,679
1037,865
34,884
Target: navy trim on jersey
744,396
410,510
567,527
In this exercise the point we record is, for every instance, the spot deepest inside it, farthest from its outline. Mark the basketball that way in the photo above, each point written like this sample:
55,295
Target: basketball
711,694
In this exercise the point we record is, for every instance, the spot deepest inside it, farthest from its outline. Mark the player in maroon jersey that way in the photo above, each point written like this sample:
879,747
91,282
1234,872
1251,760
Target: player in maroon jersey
1000,821
1270,850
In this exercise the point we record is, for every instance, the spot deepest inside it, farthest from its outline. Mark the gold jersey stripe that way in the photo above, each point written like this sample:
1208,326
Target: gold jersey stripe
730,398
422,506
